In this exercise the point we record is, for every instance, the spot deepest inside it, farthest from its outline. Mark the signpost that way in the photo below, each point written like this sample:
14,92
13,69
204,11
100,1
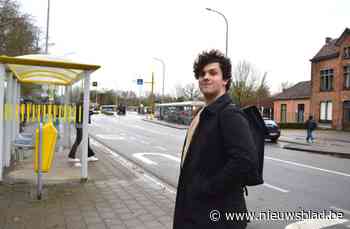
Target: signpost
94,84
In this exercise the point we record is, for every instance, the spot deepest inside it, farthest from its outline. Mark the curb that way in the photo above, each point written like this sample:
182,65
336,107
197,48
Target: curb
337,154
292,142
165,124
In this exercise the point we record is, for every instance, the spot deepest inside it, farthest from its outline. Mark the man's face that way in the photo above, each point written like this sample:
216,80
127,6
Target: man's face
211,82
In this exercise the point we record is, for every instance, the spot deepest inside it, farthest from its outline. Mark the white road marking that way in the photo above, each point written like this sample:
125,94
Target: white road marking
315,223
309,166
177,159
276,188
156,132
131,167
341,210
110,136
141,157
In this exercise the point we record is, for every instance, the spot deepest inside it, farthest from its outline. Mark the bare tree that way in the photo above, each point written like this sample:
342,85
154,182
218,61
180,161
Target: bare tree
191,92
285,85
247,83
188,92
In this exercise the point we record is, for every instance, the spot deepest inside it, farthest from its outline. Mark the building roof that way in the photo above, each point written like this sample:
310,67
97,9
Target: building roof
301,90
329,49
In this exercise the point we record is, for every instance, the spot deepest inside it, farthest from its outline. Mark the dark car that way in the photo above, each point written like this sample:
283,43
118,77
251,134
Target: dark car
121,110
107,111
273,131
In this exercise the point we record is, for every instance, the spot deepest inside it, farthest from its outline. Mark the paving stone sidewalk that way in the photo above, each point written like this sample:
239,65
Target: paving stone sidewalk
114,197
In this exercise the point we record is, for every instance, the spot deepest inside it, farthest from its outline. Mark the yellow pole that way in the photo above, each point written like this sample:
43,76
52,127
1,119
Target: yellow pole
50,112
28,112
54,112
33,112
44,112
22,112
38,113
80,110
17,112
75,114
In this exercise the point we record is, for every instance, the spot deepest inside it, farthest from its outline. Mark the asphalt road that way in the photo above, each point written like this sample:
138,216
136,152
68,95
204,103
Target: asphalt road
294,180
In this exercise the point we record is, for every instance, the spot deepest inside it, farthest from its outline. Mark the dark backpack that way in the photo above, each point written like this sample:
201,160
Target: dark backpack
258,130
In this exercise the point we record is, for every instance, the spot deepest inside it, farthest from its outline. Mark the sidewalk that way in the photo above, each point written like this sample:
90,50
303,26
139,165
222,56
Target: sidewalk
115,196
163,123
330,142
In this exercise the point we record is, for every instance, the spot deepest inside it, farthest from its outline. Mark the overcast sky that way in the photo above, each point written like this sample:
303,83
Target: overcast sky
277,37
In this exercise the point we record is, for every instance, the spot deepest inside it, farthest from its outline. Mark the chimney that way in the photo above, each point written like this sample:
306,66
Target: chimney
328,39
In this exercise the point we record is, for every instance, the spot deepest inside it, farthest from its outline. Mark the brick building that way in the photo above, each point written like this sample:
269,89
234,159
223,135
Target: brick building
293,104
330,83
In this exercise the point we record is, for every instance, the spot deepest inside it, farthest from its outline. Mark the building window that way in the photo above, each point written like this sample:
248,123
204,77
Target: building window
327,80
347,77
300,113
326,111
346,54
283,113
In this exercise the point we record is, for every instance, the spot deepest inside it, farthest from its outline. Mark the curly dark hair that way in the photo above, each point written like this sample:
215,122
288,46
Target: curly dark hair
213,56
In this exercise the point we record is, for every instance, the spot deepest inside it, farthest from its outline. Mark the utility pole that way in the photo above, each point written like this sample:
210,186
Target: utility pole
152,94
47,28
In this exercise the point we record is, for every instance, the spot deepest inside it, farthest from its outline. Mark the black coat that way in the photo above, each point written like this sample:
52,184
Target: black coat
218,158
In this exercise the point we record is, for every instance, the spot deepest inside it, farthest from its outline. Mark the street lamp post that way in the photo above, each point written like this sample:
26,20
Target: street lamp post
163,64
47,27
215,11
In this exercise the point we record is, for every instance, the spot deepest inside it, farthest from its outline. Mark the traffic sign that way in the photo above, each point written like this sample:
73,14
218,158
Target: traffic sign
139,81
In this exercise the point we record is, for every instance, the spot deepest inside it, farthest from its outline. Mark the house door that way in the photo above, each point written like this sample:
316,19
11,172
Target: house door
283,113
346,115
300,114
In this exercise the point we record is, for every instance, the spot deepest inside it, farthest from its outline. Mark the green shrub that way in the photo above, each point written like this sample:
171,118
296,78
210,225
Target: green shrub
292,125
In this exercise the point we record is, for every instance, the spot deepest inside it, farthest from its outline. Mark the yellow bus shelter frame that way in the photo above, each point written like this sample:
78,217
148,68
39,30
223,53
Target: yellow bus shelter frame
39,69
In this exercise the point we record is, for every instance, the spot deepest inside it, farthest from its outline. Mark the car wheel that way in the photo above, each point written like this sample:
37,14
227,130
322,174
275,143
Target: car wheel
274,140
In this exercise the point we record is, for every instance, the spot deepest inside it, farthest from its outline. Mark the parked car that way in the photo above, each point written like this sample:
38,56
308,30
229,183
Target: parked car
107,111
273,131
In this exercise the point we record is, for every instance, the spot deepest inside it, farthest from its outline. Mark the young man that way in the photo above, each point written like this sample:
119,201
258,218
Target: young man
217,153
79,131
310,127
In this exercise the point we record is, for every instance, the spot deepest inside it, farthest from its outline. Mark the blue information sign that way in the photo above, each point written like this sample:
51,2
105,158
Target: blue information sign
139,81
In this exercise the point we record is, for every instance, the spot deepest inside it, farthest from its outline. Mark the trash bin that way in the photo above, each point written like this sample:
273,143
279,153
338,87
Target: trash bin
49,134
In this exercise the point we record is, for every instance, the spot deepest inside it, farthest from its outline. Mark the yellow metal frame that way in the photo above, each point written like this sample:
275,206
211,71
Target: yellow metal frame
27,74
53,71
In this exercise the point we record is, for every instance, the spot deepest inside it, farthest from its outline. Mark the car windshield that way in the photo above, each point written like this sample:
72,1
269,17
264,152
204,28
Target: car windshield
270,122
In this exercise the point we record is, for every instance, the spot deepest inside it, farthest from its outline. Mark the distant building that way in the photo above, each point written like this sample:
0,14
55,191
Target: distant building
293,104
330,83
265,106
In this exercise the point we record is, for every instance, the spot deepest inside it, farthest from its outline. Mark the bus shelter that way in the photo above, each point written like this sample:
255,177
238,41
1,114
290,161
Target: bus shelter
39,69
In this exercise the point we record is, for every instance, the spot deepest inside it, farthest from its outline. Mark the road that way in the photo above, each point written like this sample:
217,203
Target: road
294,180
